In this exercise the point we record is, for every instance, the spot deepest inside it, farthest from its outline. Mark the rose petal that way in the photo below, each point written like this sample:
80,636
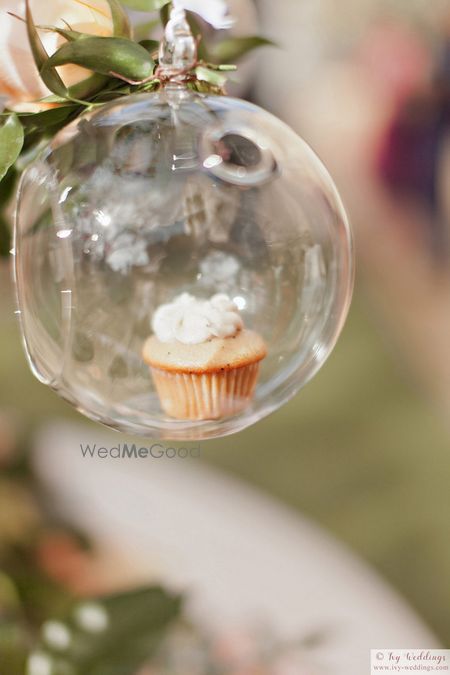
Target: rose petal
19,78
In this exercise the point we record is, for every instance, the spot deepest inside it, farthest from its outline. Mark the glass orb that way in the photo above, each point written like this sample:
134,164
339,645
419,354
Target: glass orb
157,195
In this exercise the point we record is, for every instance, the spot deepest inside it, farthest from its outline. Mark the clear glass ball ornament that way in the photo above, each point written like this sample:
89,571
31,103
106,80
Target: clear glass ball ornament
157,195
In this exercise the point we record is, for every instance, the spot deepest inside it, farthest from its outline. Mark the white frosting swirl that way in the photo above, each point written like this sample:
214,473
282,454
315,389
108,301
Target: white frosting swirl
193,321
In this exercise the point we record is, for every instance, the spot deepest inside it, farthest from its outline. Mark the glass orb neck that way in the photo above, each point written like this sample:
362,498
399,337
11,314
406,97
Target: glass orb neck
178,49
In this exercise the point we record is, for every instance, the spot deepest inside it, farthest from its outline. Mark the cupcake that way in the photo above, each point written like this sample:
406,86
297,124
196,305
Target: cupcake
204,363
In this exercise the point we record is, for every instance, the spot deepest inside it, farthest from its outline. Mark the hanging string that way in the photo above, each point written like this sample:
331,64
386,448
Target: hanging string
178,53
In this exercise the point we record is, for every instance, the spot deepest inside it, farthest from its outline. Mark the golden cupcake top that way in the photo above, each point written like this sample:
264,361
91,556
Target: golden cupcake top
216,354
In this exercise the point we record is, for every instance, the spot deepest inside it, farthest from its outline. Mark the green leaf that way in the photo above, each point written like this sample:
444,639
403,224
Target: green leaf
48,74
11,143
135,622
221,67
150,45
89,87
5,238
70,35
7,189
153,85
145,5
121,25
47,118
211,76
85,89
164,14
107,56
199,32
233,49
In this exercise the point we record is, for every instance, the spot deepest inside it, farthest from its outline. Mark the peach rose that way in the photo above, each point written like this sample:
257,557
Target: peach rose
20,84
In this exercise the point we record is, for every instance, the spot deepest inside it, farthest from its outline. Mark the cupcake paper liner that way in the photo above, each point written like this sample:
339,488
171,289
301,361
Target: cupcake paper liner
204,396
